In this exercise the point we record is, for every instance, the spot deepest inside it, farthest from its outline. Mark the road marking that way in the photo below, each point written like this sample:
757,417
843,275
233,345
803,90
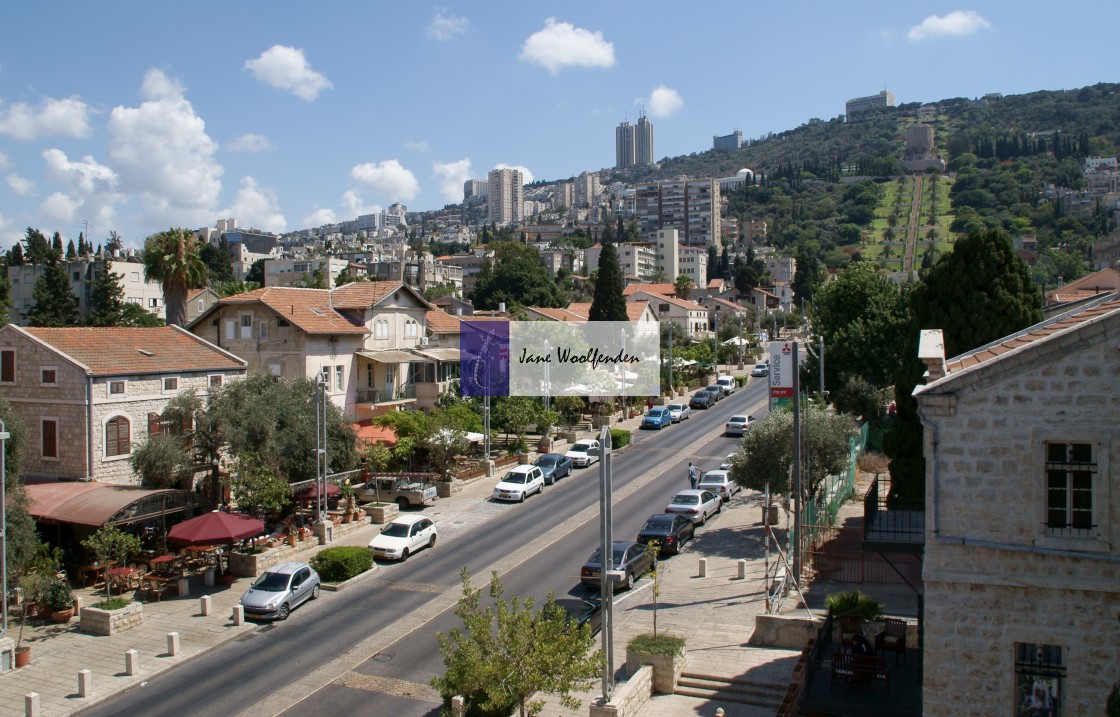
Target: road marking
435,588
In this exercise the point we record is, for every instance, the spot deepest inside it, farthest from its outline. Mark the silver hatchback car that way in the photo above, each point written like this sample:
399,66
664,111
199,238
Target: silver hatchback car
280,589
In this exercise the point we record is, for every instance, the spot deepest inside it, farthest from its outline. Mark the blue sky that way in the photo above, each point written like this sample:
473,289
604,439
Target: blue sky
137,116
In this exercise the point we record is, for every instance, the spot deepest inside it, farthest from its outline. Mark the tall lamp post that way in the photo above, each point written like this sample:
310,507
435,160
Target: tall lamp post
4,436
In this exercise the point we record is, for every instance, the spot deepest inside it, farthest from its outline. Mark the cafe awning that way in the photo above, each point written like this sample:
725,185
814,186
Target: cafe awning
439,354
388,356
98,504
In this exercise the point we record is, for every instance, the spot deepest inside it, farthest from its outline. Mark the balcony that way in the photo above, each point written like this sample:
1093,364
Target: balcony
381,395
890,530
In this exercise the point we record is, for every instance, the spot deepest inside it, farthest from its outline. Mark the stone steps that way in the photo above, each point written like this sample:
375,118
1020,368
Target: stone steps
733,689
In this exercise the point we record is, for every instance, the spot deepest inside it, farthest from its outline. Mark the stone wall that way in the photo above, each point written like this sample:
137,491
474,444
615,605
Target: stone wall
110,622
629,697
994,574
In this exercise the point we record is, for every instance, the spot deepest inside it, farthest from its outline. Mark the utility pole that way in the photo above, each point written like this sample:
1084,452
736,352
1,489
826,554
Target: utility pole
740,313
796,470
4,436
606,562
671,387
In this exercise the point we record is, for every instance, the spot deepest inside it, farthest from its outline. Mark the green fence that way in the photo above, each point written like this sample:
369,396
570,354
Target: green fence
820,512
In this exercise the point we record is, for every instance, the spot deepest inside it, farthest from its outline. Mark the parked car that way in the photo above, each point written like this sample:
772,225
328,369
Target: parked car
737,425
554,466
760,369
409,490
584,452
701,399
657,417
716,390
671,531
587,610
728,384
281,589
629,558
699,505
403,537
726,465
519,483
719,483
679,412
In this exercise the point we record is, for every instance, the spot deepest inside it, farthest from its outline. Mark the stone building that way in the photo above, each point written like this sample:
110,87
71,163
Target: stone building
1022,559
89,396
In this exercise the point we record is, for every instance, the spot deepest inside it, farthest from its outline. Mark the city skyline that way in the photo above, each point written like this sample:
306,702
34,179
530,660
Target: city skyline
135,117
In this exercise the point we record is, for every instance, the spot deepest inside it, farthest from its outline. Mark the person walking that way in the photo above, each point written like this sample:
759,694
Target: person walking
693,475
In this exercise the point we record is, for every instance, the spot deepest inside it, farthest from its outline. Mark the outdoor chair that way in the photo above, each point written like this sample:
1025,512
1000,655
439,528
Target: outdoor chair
850,626
893,637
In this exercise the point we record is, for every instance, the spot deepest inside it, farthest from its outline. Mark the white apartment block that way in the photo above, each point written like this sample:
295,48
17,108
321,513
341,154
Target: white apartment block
83,273
668,254
694,265
692,207
781,268
859,105
639,260
588,190
505,197
300,272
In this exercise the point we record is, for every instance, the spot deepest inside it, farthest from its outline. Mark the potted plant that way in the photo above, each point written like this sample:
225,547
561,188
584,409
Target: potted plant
60,599
664,652
852,609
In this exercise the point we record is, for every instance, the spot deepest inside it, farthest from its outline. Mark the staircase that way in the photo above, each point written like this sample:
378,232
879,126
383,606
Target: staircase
734,689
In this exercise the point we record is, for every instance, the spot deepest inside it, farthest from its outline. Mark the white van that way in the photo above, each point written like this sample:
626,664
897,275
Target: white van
728,384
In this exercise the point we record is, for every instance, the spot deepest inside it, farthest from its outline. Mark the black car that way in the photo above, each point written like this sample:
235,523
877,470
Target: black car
701,399
554,466
716,390
585,611
670,531
629,559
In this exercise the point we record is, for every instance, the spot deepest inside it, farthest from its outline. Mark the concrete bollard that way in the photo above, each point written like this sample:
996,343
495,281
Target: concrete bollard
131,662
238,614
31,704
208,577
172,644
85,683
742,569
204,605
703,567
184,587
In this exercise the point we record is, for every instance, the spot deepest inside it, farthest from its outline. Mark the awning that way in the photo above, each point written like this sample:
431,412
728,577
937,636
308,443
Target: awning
439,354
388,356
97,504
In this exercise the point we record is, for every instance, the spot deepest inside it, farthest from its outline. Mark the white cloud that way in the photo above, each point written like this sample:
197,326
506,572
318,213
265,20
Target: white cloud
662,102
68,117
319,217
418,146
560,45
87,176
285,68
256,206
161,153
526,175
452,175
356,206
444,27
956,24
387,178
250,143
90,193
4,163
60,209
20,185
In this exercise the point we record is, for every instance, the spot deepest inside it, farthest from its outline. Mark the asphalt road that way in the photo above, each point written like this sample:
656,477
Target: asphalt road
246,674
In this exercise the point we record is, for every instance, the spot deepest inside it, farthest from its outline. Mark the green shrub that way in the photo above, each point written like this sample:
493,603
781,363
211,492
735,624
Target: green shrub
342,563
741,381
113,603
58,595
854,603
619,437
660,644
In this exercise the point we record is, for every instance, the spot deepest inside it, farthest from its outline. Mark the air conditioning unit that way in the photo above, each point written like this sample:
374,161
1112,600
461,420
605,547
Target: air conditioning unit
423,340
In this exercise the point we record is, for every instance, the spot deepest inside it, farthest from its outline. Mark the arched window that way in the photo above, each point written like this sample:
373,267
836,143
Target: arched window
117,439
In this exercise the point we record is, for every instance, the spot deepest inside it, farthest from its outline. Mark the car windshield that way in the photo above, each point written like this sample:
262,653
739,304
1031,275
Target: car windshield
512,477
738,419
395,530
272,582
658,522
675,407
579,448
685,500
546,461
618,553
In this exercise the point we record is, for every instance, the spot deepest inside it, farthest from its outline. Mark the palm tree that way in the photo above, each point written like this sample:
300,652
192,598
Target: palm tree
171,257
683,286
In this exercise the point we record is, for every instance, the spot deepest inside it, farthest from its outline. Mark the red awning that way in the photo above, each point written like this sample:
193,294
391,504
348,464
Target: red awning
97,504
216,528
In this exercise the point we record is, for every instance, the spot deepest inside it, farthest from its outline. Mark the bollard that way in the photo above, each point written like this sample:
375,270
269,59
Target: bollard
204,605
703,567
131,662
31,704
742,569
208,577
172,644
238,616
85,683
457,706
184,587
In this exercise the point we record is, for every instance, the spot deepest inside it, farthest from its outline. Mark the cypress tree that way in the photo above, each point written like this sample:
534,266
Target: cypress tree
71,252
55,303
56,244
608,304
106,303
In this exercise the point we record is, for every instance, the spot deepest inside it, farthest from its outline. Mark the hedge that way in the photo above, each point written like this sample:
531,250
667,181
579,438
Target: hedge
619,437
335,565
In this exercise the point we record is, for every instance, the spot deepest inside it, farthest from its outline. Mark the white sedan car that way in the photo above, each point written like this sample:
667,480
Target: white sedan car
584,452
521,482
719,483
737,424
699,505
679,412
404,536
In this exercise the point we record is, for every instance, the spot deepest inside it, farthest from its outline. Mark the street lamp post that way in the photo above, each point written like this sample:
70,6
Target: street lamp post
4,436
606,561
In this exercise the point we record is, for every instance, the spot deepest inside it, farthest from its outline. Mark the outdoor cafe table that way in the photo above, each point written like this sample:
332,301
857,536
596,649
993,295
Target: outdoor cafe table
204,555
126,577
91,574
166,564
159,584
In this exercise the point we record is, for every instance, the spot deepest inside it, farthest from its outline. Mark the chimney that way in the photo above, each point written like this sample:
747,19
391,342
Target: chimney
501,307
931,351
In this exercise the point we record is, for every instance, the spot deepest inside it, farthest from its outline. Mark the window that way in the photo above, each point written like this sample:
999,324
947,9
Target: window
262,329
1070,469
153,303
338,377
276,369
48,376
49,433
201,305
231,329
116,388
155,424
1039,674
381,329
117,440
7,366
215,380
170,384
246,326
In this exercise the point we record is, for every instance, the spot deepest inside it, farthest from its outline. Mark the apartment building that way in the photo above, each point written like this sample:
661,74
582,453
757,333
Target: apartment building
731,141
302,272
505,197
633,144
692,207
83,274
859,105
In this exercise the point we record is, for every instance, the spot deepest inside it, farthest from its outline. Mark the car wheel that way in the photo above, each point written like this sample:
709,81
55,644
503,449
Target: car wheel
402,503
315,592
629,581
284,612
432,542
719,507
521,498
703,518
404,554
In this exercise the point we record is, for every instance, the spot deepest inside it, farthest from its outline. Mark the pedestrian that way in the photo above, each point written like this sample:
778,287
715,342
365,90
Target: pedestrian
693,475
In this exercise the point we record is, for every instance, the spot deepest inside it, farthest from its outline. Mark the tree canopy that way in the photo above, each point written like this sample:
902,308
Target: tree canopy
517,278
608,303
54,300
171,257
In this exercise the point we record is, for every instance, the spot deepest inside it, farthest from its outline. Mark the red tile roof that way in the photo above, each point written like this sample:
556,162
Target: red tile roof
634,310
109,351
309,310
441,322
680,303
372,434
664,289
362,294
557,314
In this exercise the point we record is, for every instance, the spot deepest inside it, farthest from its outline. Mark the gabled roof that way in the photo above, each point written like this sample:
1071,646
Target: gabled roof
110,351
441,322
727,304
634,310
365,294
679,303
1033,337
716,283
1105,281
309,310
664,289
556,314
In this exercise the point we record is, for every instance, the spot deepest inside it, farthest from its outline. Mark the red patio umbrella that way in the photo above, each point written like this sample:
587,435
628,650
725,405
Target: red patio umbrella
216,528
313,492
